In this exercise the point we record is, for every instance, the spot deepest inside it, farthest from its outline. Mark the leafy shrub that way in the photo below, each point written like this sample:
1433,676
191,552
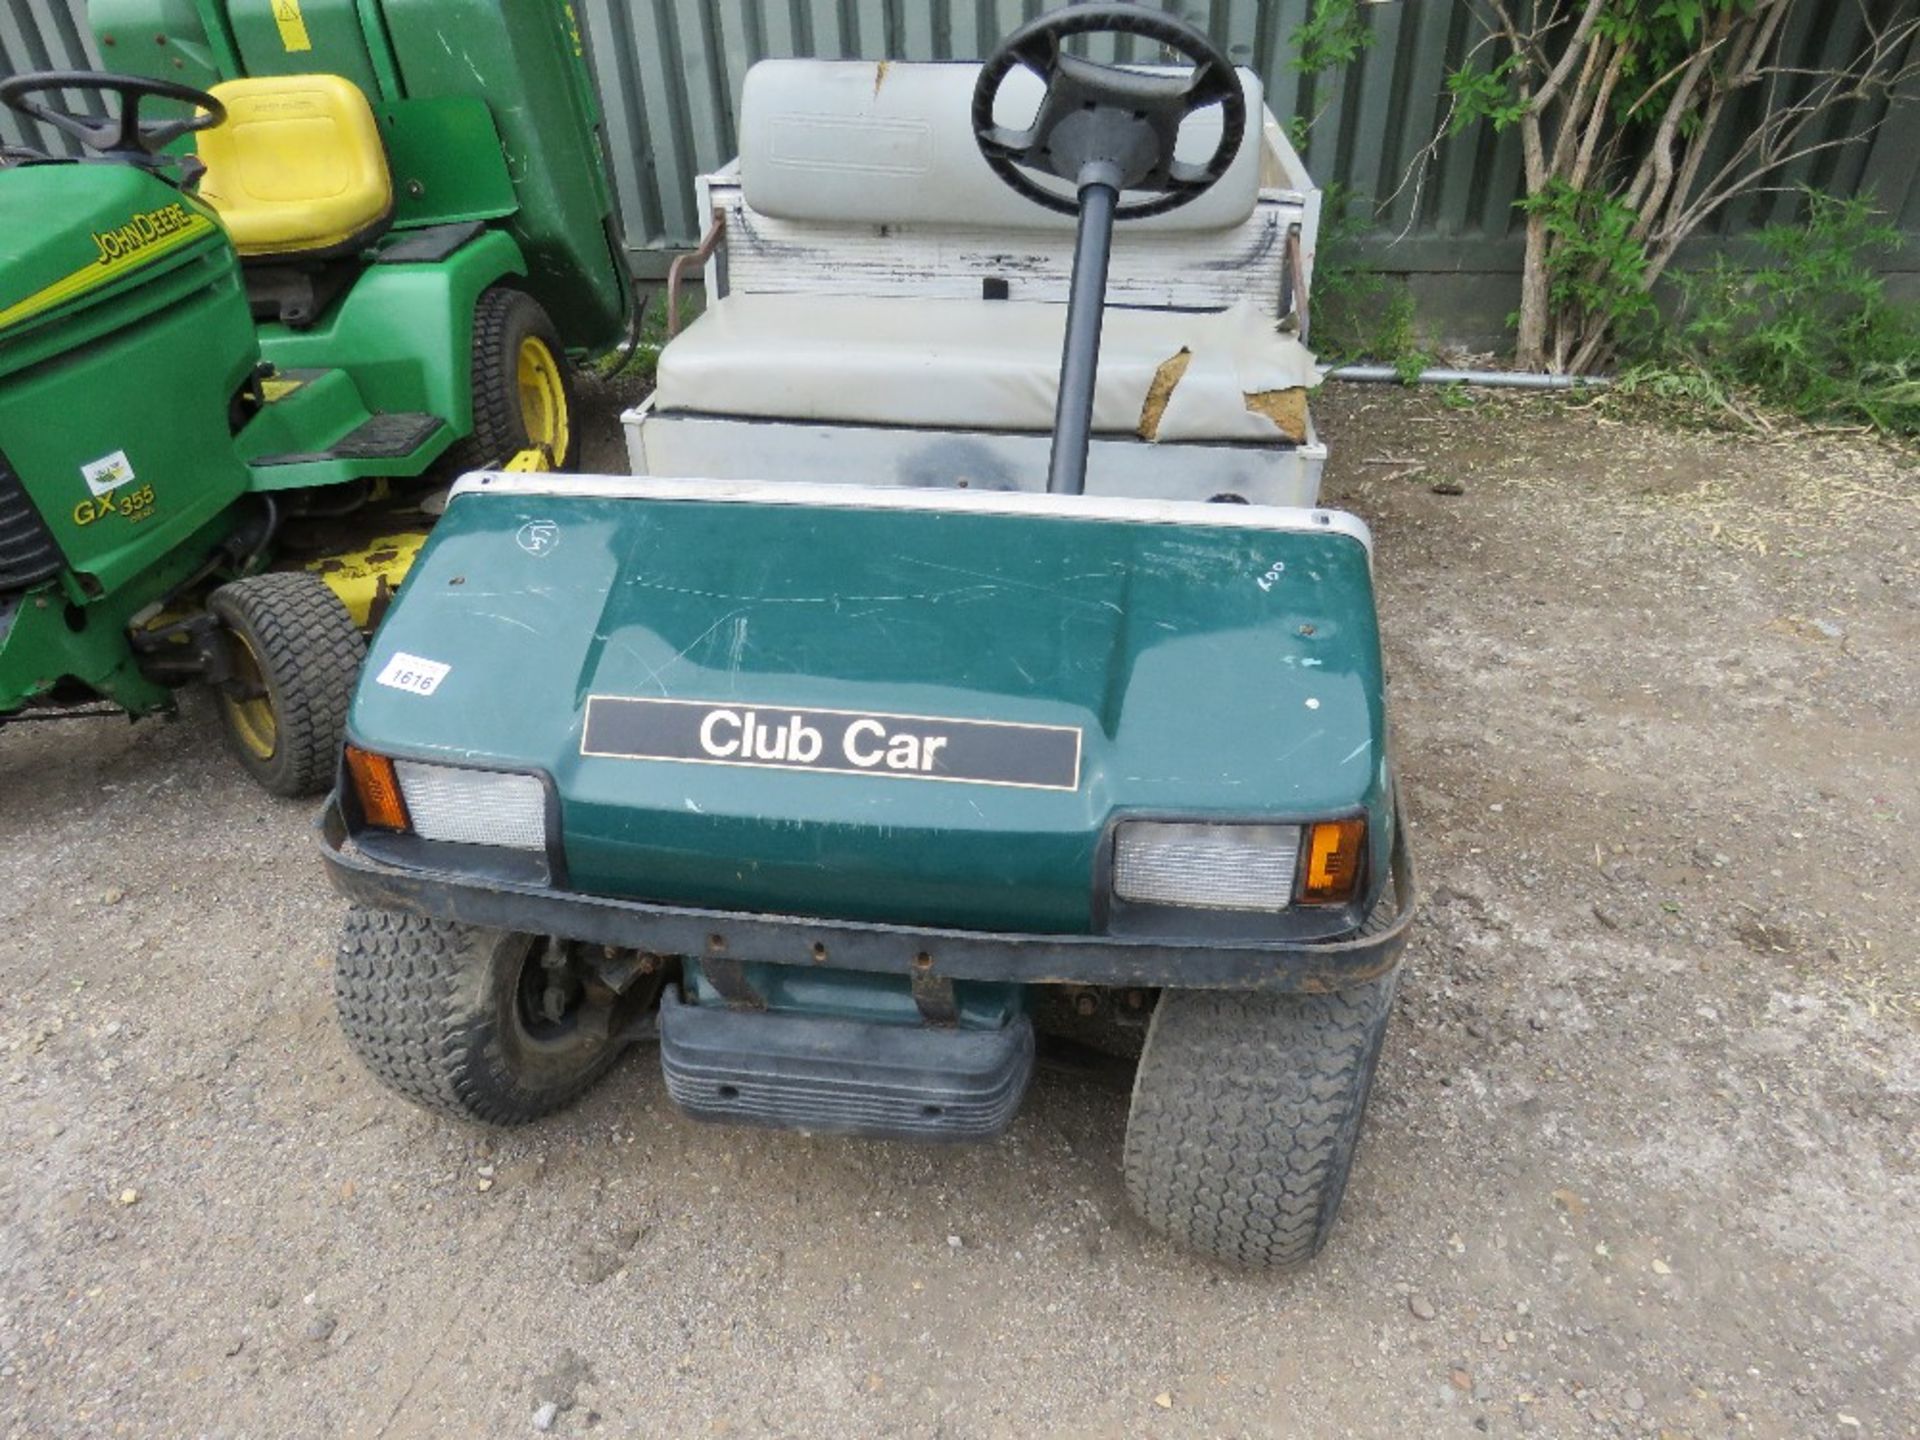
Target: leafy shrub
1358,313
1804,325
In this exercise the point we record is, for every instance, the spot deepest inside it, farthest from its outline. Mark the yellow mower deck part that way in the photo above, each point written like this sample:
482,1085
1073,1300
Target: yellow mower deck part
365,579
537,459
297,168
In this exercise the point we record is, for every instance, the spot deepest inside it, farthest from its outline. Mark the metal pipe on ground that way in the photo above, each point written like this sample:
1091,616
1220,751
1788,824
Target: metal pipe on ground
1508,379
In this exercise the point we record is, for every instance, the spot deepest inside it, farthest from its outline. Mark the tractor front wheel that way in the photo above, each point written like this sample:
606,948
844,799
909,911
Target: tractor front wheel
523,395
293,653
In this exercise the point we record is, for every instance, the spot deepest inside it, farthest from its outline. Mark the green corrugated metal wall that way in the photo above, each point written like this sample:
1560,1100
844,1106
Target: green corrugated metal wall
670,73
671,69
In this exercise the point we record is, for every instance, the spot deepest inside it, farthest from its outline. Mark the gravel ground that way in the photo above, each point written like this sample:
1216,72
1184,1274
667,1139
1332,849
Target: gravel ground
1641,1161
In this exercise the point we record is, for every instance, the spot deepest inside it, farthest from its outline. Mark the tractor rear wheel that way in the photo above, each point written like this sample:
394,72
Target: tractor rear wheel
480,1024
523,396
1246,1111
294,653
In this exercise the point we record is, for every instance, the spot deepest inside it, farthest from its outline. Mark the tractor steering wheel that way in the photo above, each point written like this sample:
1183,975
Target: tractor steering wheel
1105,124
127,138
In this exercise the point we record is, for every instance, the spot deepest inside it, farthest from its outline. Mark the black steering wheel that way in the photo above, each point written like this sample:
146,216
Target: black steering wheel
126,138
1102,124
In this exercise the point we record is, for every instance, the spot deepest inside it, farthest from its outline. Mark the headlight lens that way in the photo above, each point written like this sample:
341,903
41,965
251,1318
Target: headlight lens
1212,867
474,807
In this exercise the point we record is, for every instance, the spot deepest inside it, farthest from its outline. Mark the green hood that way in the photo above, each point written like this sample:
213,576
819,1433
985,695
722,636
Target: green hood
1200,669
71,234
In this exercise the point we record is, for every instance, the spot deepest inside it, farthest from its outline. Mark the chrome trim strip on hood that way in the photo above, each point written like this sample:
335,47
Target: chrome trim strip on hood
1289,519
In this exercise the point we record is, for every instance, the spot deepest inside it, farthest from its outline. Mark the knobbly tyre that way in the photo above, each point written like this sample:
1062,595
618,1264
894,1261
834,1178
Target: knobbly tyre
315,264
926,685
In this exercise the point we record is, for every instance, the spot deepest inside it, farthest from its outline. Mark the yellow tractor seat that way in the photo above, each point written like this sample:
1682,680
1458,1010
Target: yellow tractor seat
297,171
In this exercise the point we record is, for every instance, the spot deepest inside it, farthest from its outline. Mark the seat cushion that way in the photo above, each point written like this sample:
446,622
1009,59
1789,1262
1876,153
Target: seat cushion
986,365
889,142
297,168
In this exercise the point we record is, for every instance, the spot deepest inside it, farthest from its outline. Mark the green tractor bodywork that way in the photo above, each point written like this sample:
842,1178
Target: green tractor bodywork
316,401
118,472
161,420
486,108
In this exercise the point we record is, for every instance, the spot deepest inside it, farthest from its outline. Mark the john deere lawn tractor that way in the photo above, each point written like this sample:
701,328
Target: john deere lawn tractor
968,663
317,258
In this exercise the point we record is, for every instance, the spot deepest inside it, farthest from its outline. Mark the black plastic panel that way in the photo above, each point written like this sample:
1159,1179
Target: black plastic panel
28,553
843,1077
380,437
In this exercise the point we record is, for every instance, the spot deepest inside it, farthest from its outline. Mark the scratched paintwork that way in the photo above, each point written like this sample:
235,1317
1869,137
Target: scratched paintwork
1199,689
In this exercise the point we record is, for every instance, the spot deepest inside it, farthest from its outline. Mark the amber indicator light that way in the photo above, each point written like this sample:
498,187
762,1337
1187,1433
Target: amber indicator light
378,788
1334,848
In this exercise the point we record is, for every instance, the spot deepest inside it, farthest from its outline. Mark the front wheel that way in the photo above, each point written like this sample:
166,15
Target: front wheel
1246,1111
293,653
481,1024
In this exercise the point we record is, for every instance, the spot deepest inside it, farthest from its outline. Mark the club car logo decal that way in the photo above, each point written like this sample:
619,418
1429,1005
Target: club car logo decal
537,537
839,742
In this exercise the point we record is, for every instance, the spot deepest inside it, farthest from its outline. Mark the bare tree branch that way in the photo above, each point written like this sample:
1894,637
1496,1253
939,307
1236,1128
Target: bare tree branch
1596,121
1574,46
1660,83
1650,186
1576,106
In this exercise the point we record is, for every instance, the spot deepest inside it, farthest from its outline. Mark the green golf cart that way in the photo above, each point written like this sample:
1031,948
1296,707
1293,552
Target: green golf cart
966,670
311,266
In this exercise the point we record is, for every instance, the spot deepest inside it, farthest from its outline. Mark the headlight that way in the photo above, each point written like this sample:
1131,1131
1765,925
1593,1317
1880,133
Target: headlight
474,807
1238,867
450,802
1212,867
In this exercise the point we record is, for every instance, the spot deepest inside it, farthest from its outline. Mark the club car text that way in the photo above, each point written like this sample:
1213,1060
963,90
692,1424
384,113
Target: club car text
843,742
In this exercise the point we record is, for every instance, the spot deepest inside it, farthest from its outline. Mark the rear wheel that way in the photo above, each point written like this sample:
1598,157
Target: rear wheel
522,385
294,653
1246,1111
482,1024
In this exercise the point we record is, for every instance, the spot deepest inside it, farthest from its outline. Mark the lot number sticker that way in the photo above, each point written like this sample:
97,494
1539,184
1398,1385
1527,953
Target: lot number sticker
412,674
108,473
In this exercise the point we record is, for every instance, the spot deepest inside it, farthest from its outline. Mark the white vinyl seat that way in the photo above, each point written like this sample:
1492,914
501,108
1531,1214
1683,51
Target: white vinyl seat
891,143
869,164
983,364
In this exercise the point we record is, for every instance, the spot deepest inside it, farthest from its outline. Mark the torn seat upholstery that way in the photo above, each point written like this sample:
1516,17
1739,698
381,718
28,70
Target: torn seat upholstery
986,365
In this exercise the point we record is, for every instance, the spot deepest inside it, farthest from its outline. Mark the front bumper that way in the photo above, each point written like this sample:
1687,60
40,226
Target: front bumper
916,952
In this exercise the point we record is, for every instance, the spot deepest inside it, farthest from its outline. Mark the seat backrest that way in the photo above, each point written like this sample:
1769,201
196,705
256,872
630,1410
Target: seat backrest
297,168
890,142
